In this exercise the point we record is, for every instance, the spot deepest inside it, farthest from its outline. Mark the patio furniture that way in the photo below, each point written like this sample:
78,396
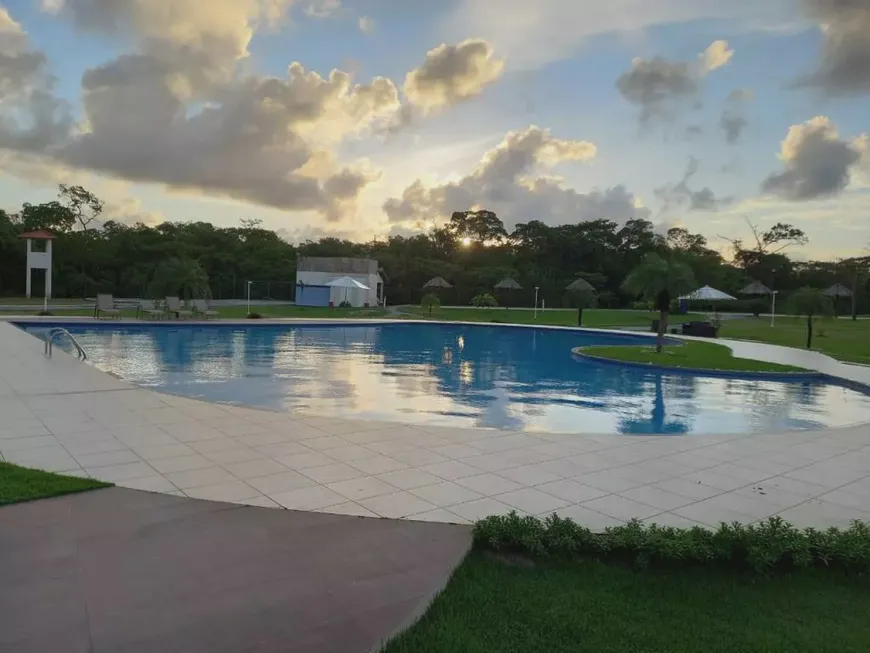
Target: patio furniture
700,329
148,308
175,307
105,306
200,307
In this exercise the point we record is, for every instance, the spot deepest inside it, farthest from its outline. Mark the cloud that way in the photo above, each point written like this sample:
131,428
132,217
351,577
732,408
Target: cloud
366,25
507,181
659,86
179,110
845,65
679,197
715,56
733,122
452,74
30,116
817,162
532,34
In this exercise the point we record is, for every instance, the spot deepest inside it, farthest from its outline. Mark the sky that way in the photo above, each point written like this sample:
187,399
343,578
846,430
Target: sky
368,118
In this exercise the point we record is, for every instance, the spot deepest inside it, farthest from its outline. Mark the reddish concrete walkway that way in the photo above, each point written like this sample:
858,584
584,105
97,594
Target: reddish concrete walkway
120,571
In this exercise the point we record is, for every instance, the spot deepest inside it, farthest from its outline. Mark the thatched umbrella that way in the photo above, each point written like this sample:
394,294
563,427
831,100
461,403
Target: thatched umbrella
508,284
836,291
756,288
436,282
583,290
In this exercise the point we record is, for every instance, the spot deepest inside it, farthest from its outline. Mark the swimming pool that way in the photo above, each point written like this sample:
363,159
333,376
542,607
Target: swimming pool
454,375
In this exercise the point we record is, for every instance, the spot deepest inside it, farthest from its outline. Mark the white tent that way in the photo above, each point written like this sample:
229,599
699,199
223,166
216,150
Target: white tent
707,294
347,283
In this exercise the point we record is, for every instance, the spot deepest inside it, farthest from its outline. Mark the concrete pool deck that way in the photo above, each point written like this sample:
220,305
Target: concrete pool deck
119,570
66,416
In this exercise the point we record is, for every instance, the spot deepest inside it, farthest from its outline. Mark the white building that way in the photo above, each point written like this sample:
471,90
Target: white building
313,273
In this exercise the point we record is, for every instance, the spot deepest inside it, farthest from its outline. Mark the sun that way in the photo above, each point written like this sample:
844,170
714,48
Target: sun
466,241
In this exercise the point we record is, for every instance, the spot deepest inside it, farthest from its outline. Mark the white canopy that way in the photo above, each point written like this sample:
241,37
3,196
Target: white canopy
347,282
708,294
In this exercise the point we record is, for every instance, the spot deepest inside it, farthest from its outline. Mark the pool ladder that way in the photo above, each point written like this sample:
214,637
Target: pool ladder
60,331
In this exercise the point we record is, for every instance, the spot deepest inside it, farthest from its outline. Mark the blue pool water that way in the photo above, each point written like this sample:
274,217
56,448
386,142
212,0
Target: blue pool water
459,375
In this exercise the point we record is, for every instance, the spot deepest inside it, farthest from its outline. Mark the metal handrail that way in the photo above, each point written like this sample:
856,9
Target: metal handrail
56,331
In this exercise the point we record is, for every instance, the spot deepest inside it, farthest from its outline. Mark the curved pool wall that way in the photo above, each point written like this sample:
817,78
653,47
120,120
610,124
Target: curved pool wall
464,375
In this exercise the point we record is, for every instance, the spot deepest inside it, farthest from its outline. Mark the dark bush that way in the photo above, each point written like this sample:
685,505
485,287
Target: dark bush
344,305
45,313
254,316
766,546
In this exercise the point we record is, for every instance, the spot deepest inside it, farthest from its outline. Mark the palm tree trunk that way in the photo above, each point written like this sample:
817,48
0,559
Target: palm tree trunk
809,331
580,316
663,329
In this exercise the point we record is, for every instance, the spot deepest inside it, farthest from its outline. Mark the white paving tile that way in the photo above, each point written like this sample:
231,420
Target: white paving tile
229,491
620,507
408,479
305,460
396,505
238,455
532,501
488,484
309,498
180,463
440,515
571,491
656,497
591,519
451,470
529,475
200,477
255,468
281,482
363,487
350,508
332,473
149,484
482,508
378,464
445,494
122,472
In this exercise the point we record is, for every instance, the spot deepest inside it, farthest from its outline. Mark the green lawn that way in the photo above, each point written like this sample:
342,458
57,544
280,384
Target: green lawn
593,318
584,606
22,484
843,338
699,355
235,312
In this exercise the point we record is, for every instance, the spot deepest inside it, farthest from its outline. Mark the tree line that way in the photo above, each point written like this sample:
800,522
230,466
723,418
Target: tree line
473,251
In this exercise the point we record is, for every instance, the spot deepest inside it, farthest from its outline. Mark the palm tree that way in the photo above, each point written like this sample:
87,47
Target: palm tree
810,302
660,280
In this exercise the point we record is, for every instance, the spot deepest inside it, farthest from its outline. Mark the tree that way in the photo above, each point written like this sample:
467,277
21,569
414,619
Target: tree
810,302
659,280
182,277
431,302
84,206
53,216
480,226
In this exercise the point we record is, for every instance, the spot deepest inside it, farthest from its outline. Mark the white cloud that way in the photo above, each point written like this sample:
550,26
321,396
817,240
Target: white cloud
816,161
509,180
659,86
452,74
530,34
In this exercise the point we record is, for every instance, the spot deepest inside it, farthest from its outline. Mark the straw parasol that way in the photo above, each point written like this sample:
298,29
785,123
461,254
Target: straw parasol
508,284
437,282
709,294
836,291
580,285
756,288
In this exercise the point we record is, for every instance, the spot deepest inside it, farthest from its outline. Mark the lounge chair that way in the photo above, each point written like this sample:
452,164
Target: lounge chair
200,307
148,308
174,306
105,306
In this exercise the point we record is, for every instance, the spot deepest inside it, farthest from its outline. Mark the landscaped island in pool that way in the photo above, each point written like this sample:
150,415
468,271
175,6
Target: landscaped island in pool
460,375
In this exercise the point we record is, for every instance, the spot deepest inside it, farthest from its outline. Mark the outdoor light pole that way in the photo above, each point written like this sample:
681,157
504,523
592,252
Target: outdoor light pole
773,307
249,296
536,302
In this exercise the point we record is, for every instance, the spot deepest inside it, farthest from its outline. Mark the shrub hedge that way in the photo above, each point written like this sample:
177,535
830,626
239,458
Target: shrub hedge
766,546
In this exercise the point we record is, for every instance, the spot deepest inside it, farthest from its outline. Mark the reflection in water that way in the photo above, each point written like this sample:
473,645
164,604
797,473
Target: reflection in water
461,375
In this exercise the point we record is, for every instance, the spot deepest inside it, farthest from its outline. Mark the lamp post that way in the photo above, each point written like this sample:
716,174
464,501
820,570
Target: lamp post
249,296
536,302
773,294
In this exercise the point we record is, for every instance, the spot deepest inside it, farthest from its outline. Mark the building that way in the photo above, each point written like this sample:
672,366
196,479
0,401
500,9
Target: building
313,273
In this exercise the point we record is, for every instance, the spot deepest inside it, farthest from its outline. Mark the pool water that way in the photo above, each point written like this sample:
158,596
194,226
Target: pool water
456,375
